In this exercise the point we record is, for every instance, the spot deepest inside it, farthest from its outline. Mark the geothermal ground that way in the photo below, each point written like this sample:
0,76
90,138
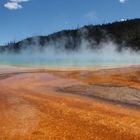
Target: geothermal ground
101,104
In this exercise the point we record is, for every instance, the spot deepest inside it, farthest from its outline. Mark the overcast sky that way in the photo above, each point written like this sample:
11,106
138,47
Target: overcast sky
23,18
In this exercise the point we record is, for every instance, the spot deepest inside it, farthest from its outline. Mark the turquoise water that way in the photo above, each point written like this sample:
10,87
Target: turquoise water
66,60
84,57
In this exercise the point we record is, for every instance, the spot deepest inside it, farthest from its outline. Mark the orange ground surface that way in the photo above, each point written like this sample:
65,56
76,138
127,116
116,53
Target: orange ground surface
46,105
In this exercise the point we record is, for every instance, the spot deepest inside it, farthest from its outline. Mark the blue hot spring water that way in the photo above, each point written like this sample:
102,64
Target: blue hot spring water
80,59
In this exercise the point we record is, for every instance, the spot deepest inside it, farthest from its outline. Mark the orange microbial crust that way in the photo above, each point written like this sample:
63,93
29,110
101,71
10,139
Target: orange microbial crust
70,105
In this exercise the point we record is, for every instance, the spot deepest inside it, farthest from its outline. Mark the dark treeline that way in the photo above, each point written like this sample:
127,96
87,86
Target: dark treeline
124,34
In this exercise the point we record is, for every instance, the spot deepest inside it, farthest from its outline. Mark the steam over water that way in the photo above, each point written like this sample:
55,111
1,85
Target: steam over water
84,57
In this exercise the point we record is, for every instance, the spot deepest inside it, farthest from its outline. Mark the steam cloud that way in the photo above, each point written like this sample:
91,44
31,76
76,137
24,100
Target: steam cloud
106,53
54,54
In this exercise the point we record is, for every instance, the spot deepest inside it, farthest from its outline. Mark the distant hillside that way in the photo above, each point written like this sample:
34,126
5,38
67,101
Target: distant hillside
125,34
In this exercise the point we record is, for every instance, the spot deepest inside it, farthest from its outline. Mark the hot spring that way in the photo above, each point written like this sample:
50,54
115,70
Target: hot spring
83,58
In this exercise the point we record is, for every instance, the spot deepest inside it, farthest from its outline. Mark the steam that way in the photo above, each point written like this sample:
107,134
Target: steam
54,54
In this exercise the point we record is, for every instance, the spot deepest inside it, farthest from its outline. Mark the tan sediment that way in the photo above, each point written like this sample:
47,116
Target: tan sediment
45,104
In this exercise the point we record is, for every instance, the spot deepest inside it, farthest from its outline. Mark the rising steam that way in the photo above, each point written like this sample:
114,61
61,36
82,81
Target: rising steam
104,54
